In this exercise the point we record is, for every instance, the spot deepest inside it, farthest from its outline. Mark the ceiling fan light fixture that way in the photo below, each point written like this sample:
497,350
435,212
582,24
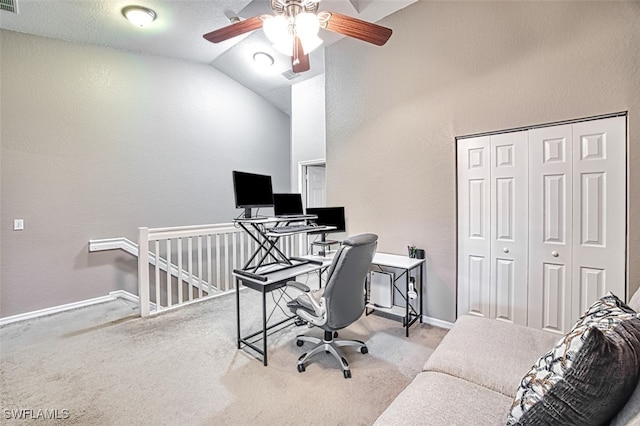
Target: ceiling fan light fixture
138,15
307,28
307,25
278,30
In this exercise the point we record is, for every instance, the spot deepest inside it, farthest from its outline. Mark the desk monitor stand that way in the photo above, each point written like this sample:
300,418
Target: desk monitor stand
324,243
247,212
323,239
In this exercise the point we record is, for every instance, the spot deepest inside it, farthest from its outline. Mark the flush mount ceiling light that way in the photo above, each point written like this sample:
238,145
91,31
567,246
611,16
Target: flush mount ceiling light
263,59
138,15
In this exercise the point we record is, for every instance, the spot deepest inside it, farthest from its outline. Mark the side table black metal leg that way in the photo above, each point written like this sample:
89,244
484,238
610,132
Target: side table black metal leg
264,326
406,292
421,289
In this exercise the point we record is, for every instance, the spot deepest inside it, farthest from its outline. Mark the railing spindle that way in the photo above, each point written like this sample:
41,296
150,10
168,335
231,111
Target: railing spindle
221,285
200,282
156,246
234,252
169,277
226,259
209,274
180,269
190,267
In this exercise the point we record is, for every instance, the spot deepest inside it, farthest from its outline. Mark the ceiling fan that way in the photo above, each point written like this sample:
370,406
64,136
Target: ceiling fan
293,29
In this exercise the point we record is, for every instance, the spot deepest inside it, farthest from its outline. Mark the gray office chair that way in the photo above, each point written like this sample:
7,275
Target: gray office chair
340,303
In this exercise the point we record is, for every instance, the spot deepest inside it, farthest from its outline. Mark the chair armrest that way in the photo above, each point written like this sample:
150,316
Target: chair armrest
299,286
307,301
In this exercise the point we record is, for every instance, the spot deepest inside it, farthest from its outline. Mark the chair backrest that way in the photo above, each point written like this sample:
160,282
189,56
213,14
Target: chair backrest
344,293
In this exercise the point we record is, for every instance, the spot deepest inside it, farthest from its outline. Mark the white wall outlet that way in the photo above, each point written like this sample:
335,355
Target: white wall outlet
18,224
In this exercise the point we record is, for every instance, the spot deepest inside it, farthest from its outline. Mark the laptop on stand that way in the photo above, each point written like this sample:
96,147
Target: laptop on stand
289,206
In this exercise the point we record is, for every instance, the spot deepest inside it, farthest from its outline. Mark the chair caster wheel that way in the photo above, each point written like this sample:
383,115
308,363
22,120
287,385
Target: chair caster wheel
301,368
364,350
347,374
299,343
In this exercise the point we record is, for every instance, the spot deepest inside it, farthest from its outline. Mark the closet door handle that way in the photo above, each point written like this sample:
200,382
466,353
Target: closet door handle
506,250
555,254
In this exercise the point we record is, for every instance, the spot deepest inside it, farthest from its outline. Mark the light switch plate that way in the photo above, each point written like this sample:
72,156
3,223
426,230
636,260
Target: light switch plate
18,224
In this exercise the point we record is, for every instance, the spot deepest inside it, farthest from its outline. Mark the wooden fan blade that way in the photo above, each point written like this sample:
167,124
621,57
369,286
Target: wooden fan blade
234,30
299,60
354,27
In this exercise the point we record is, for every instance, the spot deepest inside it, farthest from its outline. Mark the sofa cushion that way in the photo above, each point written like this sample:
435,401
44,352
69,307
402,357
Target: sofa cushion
597,361
489,352
634,302
439,399
630,413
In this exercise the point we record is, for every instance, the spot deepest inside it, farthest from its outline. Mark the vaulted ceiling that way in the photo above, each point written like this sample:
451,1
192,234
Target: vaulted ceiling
178,29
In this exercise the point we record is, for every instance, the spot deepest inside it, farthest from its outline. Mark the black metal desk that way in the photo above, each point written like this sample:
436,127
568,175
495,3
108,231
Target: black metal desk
266,281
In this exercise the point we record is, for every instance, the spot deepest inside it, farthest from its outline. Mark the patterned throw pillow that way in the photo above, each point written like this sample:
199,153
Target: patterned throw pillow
588,375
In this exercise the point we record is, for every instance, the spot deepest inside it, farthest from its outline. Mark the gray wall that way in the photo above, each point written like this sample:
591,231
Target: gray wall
97,142
308,141
458,68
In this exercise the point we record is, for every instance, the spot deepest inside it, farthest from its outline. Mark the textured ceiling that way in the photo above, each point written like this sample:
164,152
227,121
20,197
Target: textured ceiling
178,29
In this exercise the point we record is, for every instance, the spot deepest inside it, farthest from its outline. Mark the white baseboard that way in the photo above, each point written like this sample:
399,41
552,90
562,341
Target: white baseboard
122,294
437,322
75,305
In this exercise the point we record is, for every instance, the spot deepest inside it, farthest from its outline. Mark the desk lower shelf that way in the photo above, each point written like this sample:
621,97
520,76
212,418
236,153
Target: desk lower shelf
398,311
408,319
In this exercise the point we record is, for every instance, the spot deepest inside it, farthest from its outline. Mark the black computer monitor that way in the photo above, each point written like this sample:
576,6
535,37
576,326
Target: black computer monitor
252,191
287,205
328,216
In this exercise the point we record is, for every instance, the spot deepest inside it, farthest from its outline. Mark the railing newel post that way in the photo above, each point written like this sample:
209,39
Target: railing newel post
143,271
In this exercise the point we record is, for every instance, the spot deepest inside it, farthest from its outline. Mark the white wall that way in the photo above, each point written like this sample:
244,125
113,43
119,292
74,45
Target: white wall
97,142
458,68
308,135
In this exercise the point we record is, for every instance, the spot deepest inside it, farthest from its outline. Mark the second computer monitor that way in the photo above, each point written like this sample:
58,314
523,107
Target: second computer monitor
287,205
329,216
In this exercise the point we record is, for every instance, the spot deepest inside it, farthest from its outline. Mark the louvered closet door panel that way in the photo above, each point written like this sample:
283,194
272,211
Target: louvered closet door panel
598,216
509,227
550,233
473,226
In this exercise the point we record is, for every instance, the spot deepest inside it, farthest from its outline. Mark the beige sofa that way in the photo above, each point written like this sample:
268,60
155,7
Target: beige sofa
472,376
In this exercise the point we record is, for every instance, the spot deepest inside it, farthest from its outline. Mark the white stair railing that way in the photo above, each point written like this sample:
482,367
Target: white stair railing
187,264
206,255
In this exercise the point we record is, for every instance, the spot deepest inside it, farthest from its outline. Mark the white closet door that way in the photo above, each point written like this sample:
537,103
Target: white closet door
599,161
550,233
473,226
509,227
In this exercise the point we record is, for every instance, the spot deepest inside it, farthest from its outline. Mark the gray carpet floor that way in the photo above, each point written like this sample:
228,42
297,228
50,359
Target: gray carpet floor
104,365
